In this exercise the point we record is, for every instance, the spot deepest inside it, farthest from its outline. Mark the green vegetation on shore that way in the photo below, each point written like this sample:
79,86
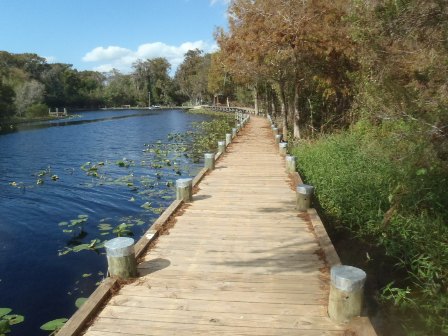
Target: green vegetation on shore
393,202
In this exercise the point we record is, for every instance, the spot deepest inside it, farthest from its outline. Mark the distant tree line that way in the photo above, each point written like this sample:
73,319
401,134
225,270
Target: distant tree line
29,85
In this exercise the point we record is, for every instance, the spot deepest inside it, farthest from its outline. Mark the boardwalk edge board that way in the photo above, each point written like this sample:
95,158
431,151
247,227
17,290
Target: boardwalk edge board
81,319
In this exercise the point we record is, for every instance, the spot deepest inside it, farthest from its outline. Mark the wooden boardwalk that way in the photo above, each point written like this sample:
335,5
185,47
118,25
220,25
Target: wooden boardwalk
239,260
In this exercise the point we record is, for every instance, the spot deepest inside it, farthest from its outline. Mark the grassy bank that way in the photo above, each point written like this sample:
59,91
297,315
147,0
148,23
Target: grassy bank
390,192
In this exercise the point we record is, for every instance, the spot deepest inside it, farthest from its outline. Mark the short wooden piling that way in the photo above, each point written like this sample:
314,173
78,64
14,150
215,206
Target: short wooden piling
283,147
346,293
209,161
234,131
184,190
304,192
228,139
275,131
290,164
221,146
121,258
278,138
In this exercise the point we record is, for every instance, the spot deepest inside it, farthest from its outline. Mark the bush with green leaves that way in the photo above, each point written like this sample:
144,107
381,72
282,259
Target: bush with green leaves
37,110
387,185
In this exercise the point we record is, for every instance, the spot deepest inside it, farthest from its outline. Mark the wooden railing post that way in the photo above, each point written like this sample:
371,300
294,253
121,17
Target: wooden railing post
184,189
209,161
290,164
346,293
278,138
221,146
283,148
121,258
304,192
228,139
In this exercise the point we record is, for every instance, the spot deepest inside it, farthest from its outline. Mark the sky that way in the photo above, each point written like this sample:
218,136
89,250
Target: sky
104,34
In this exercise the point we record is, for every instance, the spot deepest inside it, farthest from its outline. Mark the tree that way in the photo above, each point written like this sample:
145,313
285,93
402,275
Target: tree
54,81
29,93
91,90
276,40
192,76
6,100
152,76
219,82
120,89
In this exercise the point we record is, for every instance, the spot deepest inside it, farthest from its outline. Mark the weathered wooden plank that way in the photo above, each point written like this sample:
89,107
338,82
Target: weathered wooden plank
143,327
306,284
311,309
224,319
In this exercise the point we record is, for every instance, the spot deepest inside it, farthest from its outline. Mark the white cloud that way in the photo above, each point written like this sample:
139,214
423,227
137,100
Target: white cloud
104,68
107,58
50,59
214,2
101,54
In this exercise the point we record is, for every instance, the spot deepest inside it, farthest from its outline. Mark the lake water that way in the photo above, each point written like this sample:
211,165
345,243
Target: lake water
98,165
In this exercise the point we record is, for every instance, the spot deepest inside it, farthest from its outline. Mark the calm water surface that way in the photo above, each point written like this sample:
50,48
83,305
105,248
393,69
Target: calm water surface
34,280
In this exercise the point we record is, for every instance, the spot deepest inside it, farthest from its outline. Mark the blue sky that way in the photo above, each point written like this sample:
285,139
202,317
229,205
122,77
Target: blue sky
101,34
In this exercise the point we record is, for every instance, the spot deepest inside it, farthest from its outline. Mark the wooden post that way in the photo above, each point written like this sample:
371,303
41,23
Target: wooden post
275,130
228,139
209,161
121,258
304,192
234,130
290,164
221,146
346,293
283,146
278,137
184,189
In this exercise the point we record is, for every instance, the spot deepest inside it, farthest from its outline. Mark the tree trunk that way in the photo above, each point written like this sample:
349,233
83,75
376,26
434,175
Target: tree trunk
284,111
296,113
256,99
269,102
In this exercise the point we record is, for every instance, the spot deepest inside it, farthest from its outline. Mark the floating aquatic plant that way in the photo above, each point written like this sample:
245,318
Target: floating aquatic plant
54,325
7,320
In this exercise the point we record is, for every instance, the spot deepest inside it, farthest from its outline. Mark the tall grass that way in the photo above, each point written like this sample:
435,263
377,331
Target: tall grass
386,185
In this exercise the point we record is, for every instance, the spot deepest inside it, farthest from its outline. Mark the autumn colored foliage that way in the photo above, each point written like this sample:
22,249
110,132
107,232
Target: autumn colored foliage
362,88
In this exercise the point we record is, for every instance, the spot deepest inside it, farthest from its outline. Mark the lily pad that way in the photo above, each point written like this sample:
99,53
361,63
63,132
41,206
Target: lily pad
5,311
4,327
104,227
54,324
14,319
80,301
146,205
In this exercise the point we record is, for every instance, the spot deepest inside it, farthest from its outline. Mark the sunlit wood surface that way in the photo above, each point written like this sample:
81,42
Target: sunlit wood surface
239,260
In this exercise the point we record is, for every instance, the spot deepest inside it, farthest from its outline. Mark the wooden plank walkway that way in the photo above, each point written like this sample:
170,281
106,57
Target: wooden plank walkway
239,260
